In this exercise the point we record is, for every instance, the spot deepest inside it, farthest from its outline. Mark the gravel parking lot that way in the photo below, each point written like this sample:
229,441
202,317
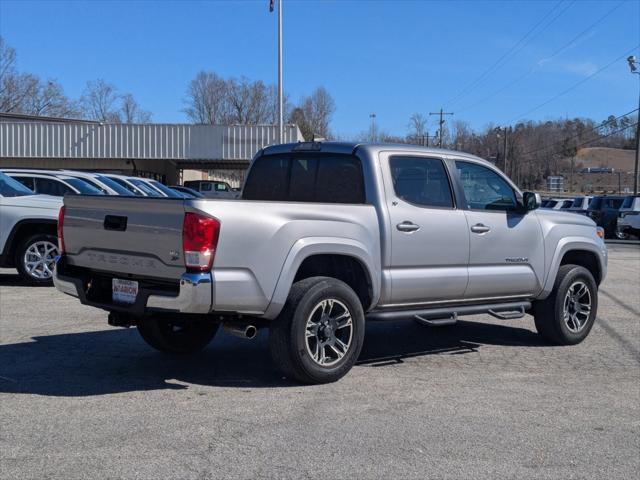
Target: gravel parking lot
481,399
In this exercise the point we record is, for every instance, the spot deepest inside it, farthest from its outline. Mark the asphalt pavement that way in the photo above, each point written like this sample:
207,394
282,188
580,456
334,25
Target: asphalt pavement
481,399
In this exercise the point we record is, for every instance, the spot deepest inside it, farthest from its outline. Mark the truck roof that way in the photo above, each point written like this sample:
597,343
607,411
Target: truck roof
351,147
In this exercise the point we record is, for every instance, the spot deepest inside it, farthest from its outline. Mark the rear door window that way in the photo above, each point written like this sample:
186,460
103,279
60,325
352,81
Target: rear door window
421,181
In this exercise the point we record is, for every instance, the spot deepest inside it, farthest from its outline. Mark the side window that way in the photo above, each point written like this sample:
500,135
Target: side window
26,181
205,187
49,186
221,187
484,189
421,181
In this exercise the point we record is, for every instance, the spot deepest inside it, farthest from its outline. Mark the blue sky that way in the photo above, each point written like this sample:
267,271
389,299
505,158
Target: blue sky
393,58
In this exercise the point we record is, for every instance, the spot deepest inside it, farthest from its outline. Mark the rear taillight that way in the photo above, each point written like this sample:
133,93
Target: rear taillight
199,240
61,230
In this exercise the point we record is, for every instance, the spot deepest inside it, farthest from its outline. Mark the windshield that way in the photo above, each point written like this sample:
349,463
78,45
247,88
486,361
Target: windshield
12,188
115,186
125,185
166,190
628,202
145,188
595,203
83,186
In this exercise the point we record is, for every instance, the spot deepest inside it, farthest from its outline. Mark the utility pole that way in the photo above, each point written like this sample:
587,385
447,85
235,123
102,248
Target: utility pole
571,181
441,114
505,150
633,65
372,116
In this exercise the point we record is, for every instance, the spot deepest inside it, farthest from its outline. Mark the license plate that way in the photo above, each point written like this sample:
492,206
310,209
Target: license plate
124,291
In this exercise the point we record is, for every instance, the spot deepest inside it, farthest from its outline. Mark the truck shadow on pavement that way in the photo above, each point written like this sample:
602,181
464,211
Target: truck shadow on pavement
117,360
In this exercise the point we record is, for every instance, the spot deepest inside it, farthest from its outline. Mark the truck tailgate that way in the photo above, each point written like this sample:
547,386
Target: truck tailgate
129,235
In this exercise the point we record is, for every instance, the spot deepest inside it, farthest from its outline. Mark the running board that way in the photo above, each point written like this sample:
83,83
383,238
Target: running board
449,315
437,322
507,315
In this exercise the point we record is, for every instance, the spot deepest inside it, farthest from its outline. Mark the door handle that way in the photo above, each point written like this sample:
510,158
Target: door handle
480,228
407,226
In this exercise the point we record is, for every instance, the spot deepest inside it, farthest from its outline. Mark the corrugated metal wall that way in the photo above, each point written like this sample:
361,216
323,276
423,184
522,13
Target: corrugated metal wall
125,141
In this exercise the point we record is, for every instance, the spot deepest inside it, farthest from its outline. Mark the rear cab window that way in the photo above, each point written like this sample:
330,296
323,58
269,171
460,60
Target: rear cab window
306,177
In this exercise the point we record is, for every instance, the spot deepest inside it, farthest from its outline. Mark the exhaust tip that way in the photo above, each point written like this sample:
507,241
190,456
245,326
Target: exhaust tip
250,332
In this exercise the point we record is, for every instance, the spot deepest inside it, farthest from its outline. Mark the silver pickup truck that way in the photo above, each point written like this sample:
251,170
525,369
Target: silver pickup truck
324,235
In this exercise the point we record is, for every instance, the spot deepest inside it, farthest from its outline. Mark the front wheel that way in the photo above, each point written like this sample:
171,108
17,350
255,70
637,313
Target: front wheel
567,315
621,234
319,334
177,336
35,259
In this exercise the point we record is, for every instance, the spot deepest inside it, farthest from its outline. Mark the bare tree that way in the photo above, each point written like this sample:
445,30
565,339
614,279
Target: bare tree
100,101
131,112
207,99
313,114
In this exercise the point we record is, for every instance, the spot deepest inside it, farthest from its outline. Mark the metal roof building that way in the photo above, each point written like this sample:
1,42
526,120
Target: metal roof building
159,149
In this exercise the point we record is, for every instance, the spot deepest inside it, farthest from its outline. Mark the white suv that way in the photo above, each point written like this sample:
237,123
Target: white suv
28,237
629,218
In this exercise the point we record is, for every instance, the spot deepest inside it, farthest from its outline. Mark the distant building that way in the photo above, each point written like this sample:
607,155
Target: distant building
555,184
169,152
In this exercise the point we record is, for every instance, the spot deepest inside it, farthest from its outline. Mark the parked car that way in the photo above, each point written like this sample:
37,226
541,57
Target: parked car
629,218
557,203
212,188
28,239
55,184
580,205
104,184
161,188
326,233
101,182
604,211
187,191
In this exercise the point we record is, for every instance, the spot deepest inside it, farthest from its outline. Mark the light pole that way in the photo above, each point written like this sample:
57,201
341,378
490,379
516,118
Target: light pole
633,66
280,96
372,116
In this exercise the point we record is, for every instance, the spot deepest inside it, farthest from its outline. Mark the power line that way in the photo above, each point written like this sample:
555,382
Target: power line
557,52
593,129
517,47
575,85
590,141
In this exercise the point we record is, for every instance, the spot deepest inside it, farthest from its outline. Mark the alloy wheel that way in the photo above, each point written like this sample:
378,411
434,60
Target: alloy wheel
39,259
329,332
577,306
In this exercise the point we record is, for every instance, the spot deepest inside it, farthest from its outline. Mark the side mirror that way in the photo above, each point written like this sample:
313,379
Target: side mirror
531,201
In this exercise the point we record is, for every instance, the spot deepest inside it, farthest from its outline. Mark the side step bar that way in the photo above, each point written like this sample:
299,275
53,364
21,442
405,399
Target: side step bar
449,315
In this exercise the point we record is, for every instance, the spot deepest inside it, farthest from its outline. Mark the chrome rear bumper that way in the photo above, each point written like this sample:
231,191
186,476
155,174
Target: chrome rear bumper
195,294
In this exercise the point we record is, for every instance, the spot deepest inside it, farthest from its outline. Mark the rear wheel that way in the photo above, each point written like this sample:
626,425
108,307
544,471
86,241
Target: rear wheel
318,336
177,336
35,259
567,315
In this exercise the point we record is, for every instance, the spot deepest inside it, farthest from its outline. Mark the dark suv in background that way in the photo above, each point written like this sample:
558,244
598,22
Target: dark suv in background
604,211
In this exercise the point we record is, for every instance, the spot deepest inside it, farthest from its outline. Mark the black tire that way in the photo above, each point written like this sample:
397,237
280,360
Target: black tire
288,342
549,313
43,274
177,336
